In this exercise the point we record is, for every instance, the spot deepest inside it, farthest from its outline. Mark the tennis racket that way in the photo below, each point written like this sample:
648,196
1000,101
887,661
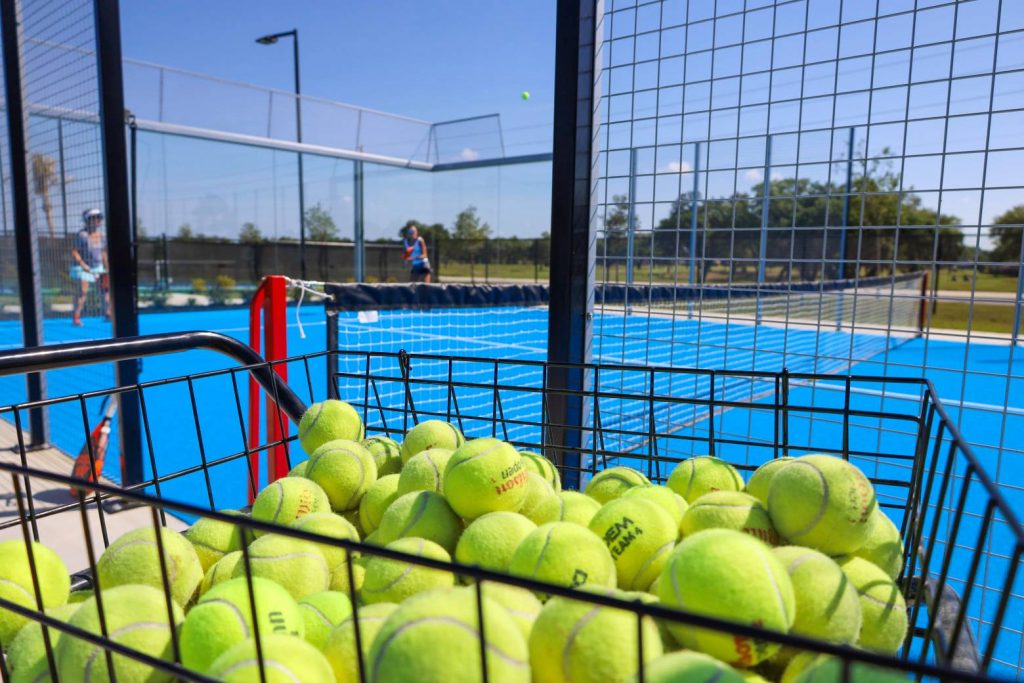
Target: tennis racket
100,439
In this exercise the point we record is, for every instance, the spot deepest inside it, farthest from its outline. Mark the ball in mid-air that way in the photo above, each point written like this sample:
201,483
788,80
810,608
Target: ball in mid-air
16,583
824,503
694,477
640,535
525,95
327,421
491,540
564,554
728,575
344,470
431,434
134,559
730,510
611,483
485,475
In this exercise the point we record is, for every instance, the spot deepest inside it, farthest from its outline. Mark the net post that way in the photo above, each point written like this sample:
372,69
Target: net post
276,349
255,307
922,313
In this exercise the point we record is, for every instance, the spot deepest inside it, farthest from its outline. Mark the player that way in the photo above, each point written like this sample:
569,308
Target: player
89,263
415,254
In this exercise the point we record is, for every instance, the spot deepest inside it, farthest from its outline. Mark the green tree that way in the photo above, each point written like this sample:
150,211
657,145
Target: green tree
185,232
250,234
617,216
469,227
1006,233
320,226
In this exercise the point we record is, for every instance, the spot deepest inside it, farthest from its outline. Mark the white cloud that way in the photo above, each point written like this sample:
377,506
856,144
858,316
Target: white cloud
676,167
753,175
469,154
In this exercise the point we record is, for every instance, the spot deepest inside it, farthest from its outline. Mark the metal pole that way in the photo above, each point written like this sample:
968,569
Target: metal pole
298,138
693,223
762,254
27,247
1020,297
846,206
121,250
631,218
573,248
63,175
360,241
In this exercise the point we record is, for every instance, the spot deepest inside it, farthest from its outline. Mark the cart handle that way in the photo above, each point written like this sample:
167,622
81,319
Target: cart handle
39,358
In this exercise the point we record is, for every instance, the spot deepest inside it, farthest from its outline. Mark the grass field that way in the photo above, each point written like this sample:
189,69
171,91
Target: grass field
956,315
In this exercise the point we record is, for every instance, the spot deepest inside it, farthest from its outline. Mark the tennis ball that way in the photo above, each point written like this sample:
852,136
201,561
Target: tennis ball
422,514
327,421
694,477
823,503
28,647
285,500
213,539
730,510
376,500
299,470
431,434
133,558
884,624
762,477
817,668
386,453
538,492
668,643
390,580
344,470
670,501
411,642
564,554
321,612
639,535
79,596
728,575
16,583
687,665
485,475
884,547
297,565
827,604
568,506
522,605
542,466
796,665
613,482
340,648
286,659
424,471
332,526
221,571
579,641
491,540
136,617
222,618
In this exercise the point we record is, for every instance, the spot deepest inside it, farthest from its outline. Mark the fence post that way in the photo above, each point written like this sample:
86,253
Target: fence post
360,240
435,249
762,253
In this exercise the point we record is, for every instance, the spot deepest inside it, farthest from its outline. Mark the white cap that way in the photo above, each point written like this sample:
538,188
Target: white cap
91,213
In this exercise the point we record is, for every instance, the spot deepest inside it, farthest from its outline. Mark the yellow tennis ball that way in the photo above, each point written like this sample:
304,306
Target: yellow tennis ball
222,570
321,612
332,526
542,466
299,470
694,477
522,605
420,514
376,500
730,510
287,499
817,668
424,471
728,575
485,475
136,617
564,554
297,565
327,421
340,648
17,586
285,659
213,539
390,580
827,604
884,547
568,506
670,501
344,470
387,454
762,477
538,493
416,641
134,559
223,617
581,642
28,648
884,624
491,540
823,503
639,535
687,665
431,434
611,483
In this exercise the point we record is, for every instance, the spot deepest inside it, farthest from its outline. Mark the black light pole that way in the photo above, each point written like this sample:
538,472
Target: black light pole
270,40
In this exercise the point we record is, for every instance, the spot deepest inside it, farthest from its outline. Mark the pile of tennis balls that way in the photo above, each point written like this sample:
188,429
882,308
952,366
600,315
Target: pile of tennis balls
801,548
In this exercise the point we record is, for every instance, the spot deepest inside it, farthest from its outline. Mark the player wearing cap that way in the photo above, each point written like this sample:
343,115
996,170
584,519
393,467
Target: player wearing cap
89,263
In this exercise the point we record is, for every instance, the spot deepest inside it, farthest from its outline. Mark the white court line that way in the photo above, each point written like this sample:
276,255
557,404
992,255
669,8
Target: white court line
470,340
1010,410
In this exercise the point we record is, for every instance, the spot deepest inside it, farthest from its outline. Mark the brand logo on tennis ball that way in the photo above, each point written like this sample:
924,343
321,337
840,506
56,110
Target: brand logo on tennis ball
278,623
579,577
305,504
767,535
511,471
860,499
620,535
746,647
518,475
